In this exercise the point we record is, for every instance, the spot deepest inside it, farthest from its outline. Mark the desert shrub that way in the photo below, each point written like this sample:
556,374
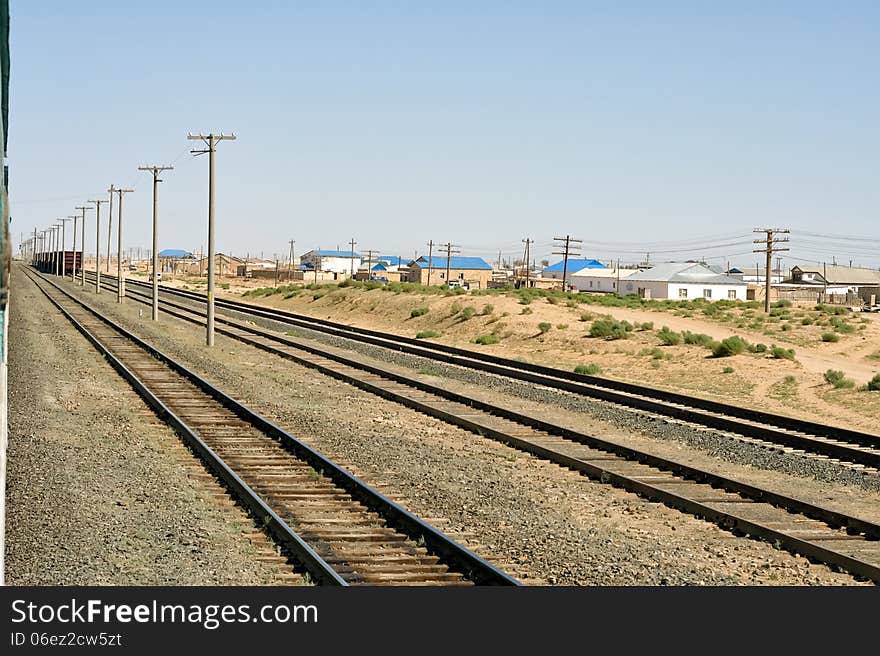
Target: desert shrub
588,369
544,326
553,300
467,313
789,380
759,348
455,308
842,326
645,325
587,316
317,296
839,379
806,321
427,334
733,345
668,337
782,303
700,339
487,309
873,384
561,326
781,353
419,312
786,326
830,337
610,329
526,310
727,370
487,339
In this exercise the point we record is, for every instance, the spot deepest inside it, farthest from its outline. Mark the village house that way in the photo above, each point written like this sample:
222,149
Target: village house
835,279
332,261
599,280
555,271
683,281
474,272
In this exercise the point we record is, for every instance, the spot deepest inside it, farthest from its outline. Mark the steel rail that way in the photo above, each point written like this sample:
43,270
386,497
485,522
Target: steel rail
597,471
615,391
445,548
803,441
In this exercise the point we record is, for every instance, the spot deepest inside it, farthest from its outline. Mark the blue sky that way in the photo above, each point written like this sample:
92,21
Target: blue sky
634,126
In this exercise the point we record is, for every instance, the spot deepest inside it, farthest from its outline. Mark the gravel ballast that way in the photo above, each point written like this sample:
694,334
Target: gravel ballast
99,492
546,523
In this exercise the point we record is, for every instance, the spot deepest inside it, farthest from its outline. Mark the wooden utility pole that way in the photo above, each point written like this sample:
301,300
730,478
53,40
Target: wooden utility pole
451,249
292,243
210,141
120,278
430,259
352,243
63,246
370,263
570,246
770,242
83,263
528,243
155,170
75,218
111,191
98,245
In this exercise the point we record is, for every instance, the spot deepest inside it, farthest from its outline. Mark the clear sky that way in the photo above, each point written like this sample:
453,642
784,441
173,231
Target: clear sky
636,126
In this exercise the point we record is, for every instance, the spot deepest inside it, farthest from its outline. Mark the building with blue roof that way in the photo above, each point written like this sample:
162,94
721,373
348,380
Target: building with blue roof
554,271
176,254
472,272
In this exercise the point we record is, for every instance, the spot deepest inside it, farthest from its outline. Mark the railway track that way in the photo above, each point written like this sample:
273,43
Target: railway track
844,445
819,533
339,529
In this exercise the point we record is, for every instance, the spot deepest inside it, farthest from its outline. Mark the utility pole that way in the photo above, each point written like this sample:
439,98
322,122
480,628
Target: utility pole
210,141
155,170
63,256
98,245
618,277
451,249
430,259
352,243
63,246
120,280
82,264
770,247
73,272
290,264
112,190
528,243
570,246
370,262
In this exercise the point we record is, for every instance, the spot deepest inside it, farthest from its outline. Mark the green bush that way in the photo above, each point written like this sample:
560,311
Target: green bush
668,337
587,316
419,312
526,310
487,310
487,339
727,370
759,348
733,345
588,369
830,337
839,379
562,326
781,353
427,334
782,303
544,326
699,339
874,384
610,329
467,313
645,325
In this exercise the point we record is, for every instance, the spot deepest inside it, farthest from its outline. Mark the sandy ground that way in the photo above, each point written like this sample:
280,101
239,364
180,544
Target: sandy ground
547,523
99,492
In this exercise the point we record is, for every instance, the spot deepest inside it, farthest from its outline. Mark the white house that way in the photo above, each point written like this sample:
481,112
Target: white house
683,281
555,271
599,280
331,261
